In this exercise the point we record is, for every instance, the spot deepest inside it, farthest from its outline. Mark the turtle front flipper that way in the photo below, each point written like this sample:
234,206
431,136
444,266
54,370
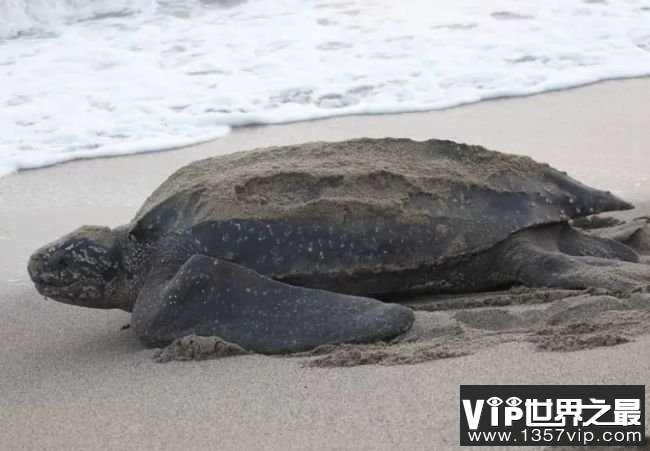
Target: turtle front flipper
213,297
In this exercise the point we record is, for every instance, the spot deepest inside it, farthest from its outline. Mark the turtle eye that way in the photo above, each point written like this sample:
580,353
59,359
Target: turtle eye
513,401
494,401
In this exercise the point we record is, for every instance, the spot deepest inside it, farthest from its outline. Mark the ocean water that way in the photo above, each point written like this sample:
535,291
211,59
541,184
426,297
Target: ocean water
86,78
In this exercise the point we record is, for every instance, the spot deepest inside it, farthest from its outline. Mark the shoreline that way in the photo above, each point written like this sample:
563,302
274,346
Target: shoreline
324,117
71,378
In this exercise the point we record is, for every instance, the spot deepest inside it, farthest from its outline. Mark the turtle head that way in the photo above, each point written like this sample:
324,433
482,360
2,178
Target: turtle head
80,268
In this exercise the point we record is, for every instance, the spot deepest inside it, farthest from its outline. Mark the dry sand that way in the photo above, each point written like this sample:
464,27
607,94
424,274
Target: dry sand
71,378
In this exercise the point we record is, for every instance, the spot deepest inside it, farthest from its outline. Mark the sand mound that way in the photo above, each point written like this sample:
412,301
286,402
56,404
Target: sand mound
554,321
351,355
194,347
641,240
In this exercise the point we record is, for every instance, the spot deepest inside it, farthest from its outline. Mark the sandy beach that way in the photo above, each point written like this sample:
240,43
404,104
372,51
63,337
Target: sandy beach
71,378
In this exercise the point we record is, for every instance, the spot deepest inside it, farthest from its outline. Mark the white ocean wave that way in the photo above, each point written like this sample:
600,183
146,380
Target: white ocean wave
147,75
31,17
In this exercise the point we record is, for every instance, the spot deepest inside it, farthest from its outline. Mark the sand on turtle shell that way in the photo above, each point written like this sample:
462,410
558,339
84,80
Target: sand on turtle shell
371,174
384,182
596,222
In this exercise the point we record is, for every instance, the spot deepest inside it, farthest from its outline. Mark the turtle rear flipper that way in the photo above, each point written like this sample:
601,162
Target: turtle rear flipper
635,234
213,297
559,256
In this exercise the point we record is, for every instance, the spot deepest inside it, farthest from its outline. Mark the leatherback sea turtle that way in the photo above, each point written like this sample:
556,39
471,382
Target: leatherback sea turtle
272,249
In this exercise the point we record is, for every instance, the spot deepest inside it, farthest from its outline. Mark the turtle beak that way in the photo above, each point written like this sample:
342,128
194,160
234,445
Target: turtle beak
37,271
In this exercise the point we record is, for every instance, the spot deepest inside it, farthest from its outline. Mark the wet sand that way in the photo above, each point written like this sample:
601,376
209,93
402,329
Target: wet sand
71,378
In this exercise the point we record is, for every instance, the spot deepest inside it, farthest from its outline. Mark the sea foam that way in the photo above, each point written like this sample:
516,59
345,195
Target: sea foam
89,78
